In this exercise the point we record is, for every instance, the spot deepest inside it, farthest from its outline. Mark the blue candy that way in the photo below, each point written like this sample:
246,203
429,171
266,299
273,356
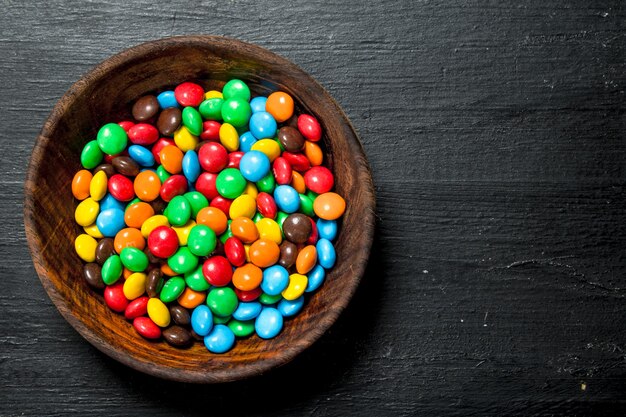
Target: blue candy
315,278
262,125
327,229
290,308
141,155
247,311
326,255
167,100
202,320
258,104
110,202
191,166
275,280
287,198
269,323
110,221
254,165
220,340
246,141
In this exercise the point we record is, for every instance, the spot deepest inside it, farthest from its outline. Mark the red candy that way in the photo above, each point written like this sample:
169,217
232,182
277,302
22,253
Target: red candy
137,307
217,271
210,130
213,157
235,251
309,127
319,180
189,94
233,159
146,328
173,186
298,161
282,171
266,205
156,148
163,242
114,297
121,188
312,240
126,125
250,295
206,185
221,203
143,134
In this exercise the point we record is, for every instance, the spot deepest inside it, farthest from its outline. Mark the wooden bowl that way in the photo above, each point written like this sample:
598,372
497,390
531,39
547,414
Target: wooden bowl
105,94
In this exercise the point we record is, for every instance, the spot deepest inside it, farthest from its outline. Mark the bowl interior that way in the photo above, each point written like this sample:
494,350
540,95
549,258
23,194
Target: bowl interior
105,95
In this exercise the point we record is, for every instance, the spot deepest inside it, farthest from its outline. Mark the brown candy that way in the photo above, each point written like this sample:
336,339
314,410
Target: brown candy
151,257
107,168
288,254
154,282
180,315
145,108
125,166
169,120
104,250
297,228
158,205
291,139
93,275
177,336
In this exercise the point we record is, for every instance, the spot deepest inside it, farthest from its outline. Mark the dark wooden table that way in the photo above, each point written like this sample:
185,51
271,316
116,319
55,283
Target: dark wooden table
496,138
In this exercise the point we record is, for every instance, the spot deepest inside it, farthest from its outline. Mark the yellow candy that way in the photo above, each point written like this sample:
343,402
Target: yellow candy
269,229
183,232
246,248
87,212
98,186
93,231
296,287
212,94
269,147
158,312
135,285
243,206
152,223
251,190
185,140
229,137
85,246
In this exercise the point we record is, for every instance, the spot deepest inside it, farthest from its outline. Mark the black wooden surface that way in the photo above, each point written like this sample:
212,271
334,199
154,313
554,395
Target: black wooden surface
495,133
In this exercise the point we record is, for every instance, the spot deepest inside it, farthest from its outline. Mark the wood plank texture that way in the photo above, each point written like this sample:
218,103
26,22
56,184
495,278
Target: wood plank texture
495,133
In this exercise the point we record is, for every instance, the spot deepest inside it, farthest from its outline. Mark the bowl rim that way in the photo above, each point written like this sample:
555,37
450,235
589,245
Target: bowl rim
117,352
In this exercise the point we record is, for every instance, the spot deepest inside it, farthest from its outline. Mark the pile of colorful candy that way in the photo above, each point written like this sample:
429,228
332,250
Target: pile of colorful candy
209,222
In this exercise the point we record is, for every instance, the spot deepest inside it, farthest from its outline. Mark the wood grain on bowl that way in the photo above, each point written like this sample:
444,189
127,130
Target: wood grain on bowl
106,95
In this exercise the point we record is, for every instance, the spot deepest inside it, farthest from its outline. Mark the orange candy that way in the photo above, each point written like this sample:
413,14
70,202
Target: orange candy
280,106
191,299
329,206
129,237
306,259
247,277
171,159
313,153
127,272
80,184
244,229
264,253
214,218
297,182
165,268
147,185
136,214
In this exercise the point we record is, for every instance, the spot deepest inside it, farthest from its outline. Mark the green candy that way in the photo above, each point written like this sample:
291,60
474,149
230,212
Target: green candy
230,183
311,195
280,145
306,205
91,155
112,138
267,183
134,259
197,202
220,320
131,202
236,111
228,233
178,211
211,109
201,240
236,89
242,129
162,173
258,216
241,328
183,261
172,289
192,121
196,281
111,270
222,301
280,218
269,299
